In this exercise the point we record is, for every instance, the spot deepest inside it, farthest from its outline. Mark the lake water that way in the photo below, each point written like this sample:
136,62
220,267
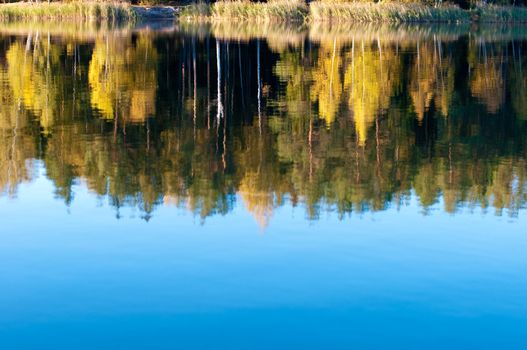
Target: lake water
259,187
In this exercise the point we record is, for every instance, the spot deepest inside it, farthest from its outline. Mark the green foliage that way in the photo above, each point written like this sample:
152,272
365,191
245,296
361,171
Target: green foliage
399,11
384,12
493,13
197,11
275,10
105,10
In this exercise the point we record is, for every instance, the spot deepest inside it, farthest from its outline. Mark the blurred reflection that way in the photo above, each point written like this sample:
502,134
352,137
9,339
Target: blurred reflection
334,119
122,78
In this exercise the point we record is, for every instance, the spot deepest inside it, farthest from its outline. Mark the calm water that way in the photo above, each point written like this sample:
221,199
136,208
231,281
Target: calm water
238,187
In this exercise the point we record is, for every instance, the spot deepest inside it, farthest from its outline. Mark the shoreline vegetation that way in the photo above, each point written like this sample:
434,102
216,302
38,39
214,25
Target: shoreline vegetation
349,11
83,10
286,11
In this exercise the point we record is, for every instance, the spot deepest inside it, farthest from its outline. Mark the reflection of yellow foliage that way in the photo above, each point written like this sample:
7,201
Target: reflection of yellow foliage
143,105
431,79
20,73
16,152
16,146
102,73
286,158
368,73
327,85
421,91
487,85
31,77
258,201
486,81
125,76
370,79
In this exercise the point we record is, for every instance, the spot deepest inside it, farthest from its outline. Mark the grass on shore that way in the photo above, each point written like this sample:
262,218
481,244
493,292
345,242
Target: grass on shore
196,12
323,10
274,10
87,10
499,14
292,10
271,11
384,12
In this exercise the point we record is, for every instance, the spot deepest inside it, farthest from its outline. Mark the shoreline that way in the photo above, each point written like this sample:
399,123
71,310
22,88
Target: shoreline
278,11
330,11
85,10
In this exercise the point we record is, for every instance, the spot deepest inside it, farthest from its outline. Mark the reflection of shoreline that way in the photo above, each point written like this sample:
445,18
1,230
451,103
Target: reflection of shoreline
284,34
84,31
276,34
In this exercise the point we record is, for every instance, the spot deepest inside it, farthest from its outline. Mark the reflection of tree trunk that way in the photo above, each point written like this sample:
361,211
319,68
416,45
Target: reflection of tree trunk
485,64
48,71
513,53
332,67
188,58
352,66
208,82
12,165
124,132
224,143
148,134
167,72
36,42
310,140
183,61
232,82
419,68
241,75
115,123
106,55
363,77
450,168
377,149
219,112
28,42
444,72
183,78
380,64
357,167
195,78
226,70
520,64
259,85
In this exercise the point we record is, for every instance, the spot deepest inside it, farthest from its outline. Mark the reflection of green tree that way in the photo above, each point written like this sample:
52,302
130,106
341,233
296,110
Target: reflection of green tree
123,76
192,174
350,128
330,167
518,89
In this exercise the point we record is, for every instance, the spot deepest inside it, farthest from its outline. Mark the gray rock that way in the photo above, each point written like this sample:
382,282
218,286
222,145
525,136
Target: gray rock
155,12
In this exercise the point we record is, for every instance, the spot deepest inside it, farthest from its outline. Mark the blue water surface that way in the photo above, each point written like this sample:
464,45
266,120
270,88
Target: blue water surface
78,278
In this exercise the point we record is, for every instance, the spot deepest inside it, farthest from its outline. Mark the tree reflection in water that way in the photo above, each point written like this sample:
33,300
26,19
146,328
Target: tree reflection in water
350,120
